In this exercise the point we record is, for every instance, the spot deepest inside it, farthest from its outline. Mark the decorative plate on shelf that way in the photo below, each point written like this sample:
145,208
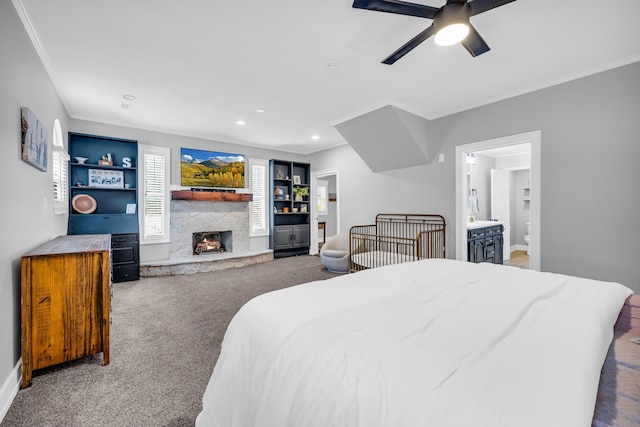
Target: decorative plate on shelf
84,203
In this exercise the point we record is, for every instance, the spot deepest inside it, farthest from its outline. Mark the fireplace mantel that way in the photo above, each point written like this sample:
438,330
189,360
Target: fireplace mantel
210,196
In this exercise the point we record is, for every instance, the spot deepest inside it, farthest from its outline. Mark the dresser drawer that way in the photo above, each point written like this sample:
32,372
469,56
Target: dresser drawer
124,273
119,240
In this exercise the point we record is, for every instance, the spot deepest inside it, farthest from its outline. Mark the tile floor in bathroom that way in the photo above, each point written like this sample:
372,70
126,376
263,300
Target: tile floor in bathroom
518,259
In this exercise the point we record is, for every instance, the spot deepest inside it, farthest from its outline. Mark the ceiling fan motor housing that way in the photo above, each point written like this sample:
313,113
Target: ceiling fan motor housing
451,13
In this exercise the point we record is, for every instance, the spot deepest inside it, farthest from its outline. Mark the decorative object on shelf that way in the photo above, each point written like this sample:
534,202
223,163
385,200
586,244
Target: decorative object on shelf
106,160
106,178
84,203
126,162
296,180
131,208
300,192
34,140
279,193
294,210
285,209
280,175
81,160
303,208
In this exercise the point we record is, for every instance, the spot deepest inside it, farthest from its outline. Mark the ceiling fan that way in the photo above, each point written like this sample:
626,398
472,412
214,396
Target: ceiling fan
450,22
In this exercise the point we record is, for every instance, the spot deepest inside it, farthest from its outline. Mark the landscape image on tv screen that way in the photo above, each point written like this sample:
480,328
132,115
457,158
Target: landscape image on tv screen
201,168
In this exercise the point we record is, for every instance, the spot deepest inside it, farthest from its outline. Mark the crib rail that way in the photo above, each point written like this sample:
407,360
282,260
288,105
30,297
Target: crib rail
396,238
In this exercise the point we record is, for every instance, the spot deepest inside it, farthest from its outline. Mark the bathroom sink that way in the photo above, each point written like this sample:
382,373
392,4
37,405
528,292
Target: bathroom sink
478,224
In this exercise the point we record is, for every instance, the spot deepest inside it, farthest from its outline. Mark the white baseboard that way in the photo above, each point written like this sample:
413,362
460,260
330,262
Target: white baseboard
519,248
10,389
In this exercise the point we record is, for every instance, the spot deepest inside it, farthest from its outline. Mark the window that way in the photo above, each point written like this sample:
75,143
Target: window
60,172
258,219
323,197
154,215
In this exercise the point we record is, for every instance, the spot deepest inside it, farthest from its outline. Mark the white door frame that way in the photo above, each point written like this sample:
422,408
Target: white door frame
314,205
535,139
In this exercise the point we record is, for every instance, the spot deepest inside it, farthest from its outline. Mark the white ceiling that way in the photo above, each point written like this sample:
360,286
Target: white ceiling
198,66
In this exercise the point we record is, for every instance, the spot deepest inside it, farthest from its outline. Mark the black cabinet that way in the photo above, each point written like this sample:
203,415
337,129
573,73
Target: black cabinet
485,244
289,206
291,236
125,257
103,196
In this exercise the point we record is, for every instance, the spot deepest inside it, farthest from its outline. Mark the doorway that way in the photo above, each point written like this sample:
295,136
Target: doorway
331,218
462,190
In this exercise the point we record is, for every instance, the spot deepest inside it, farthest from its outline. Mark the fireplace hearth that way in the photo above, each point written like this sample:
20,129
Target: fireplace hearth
212,241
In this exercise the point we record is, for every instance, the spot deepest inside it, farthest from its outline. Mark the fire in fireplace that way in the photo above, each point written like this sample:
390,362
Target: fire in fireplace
212,241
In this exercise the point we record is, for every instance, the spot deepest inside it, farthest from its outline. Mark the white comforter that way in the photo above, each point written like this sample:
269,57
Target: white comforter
429,343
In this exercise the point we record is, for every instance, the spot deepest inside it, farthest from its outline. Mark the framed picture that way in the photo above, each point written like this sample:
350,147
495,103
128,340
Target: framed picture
296,180
131,208
280,193
34,140
303,207
106,178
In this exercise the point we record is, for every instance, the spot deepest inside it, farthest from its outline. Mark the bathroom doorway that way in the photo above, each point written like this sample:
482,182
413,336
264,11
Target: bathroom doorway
326,223
463,188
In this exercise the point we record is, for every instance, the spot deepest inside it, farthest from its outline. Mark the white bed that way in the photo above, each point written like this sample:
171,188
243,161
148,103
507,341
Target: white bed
429,343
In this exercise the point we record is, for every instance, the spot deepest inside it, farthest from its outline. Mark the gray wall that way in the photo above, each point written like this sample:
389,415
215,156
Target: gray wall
175,142
25,223
589,202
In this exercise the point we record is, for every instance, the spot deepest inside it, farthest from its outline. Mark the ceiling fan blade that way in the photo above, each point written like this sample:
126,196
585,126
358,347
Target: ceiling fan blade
396,6
479,6
474,43
409,46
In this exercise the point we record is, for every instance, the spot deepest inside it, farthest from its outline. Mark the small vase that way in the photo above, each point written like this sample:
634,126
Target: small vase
298,198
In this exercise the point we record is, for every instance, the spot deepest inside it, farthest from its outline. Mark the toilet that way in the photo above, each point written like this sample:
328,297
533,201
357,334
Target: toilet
527,237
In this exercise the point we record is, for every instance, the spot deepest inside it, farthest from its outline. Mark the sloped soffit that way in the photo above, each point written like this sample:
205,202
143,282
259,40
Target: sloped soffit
388,138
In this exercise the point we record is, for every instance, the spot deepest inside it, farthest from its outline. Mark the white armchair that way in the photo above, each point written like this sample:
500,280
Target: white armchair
334,254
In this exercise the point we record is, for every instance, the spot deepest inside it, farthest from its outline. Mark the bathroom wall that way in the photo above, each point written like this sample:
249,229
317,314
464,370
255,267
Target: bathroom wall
480,179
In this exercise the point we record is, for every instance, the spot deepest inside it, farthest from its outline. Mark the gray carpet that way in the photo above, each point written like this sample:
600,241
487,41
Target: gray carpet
165,338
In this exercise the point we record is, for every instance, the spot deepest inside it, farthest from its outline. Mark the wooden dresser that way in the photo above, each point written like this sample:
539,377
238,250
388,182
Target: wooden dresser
66,286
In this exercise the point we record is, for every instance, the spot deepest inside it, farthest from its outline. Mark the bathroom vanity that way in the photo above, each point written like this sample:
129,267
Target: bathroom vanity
485,241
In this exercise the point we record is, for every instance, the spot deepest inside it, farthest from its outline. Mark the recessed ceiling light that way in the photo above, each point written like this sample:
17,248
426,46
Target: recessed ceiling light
315,137
333,63
260,110
240,122
129,97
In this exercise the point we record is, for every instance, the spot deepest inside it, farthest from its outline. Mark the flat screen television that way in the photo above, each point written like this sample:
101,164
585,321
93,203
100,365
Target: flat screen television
202,168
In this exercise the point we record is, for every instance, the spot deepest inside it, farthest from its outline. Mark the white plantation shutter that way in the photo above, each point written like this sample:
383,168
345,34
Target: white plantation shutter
60,172
154,216
60,182
259,204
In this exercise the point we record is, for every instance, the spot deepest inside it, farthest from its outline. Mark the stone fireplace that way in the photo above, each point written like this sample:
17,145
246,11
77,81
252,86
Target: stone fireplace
197,212
191,217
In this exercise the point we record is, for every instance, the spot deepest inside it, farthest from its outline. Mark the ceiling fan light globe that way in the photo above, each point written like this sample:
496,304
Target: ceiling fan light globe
451,34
